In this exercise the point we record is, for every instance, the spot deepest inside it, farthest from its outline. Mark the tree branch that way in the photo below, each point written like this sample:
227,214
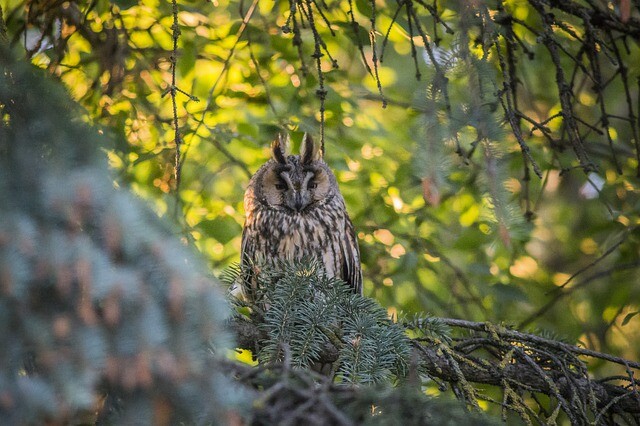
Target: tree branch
525,362
3,28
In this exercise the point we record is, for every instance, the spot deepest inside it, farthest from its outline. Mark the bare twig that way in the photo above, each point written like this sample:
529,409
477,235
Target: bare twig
518,362
531,338
175,35
566,292
3,28
507,105
374,50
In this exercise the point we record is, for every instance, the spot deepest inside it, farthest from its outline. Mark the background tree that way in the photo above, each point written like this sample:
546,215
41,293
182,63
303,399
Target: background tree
98,299
501,184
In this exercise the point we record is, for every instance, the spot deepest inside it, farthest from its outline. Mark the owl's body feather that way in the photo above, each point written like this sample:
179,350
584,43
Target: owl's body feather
294,210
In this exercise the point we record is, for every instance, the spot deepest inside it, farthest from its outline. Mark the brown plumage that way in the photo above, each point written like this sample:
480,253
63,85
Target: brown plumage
294,210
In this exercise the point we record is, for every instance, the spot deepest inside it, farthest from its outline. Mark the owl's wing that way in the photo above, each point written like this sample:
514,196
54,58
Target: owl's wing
247,249
351,267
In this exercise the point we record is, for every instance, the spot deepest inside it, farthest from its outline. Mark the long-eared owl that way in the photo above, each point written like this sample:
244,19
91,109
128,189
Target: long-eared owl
294,210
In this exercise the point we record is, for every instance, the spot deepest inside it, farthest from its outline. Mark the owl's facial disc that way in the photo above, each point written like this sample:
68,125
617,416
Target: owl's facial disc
297,189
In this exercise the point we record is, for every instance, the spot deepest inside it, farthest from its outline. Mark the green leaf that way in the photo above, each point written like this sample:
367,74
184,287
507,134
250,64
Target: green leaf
125,4
249,129
187,57
222,228
364,7
628,317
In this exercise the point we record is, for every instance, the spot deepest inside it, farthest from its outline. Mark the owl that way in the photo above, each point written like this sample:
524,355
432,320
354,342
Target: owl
294,210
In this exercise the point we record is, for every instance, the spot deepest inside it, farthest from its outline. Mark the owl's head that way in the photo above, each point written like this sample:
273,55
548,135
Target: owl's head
295,183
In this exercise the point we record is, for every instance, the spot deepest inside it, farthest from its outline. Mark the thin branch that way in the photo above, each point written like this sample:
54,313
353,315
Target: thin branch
4,38
560,295
256,65
356,31
386,36
591,48
564,89
623,70
520,362
512,118
318,43
225,67
372,38
532,338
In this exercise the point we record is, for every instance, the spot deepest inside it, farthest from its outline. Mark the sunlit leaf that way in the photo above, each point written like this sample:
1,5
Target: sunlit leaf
629,317
125,4
222,228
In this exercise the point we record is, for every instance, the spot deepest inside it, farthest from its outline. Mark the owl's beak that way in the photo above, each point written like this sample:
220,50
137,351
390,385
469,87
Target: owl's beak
298,203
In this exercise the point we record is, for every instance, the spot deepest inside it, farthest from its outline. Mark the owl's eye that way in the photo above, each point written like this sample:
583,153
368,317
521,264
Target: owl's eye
281,186
312,185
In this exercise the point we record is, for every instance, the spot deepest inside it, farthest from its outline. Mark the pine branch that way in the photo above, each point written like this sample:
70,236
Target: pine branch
439,366
531,368
306,312
287,396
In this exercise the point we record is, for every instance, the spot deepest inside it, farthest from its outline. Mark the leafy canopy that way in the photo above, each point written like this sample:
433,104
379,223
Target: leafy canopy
502,185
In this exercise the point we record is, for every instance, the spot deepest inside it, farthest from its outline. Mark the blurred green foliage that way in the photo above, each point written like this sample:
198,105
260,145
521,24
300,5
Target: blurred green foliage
465,236
99,301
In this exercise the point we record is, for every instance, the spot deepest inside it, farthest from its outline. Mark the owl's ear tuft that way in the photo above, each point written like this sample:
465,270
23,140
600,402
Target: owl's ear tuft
309,150
280,149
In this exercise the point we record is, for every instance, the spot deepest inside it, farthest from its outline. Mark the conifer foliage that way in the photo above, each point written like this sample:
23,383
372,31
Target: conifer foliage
306,311
303,319
97,297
